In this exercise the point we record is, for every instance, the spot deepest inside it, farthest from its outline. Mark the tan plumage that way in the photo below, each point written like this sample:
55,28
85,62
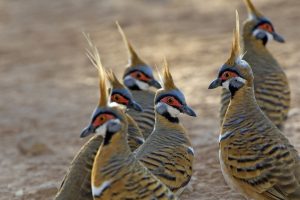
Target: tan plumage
77,182
256,158
118,175
167,152
143,96
271,84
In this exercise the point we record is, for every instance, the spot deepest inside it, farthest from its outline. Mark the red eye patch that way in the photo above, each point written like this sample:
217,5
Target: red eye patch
171,101
101,119
140,76
119,99
228,75
266,27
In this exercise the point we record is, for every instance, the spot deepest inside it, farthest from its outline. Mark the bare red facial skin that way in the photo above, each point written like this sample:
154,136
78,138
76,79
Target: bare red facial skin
140,76
228,75
171,101
101,119
119,99
266,27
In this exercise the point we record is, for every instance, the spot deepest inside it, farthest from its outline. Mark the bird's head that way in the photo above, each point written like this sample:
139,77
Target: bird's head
170,101
259,27
120,94
138,75
235,73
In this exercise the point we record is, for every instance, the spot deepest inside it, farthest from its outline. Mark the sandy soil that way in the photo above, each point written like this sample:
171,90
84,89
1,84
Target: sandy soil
48,87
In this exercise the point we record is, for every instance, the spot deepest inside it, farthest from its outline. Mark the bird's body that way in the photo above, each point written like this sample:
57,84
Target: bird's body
270,83
256,158
145,119
77,182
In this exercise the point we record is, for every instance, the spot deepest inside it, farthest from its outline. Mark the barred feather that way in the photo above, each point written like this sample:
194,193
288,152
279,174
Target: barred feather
167,153
255,157
145,119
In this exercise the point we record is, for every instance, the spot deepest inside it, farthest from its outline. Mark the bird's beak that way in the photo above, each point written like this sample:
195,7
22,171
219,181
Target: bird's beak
216,83
155,84
278,37
188,110
134,105
87,131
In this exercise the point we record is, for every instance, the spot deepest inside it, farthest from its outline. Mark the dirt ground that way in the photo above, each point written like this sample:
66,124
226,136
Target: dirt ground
49,88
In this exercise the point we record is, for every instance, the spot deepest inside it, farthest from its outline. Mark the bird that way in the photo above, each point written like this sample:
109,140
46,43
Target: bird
256,158
76,182
138,77
116,173
168,152
271,85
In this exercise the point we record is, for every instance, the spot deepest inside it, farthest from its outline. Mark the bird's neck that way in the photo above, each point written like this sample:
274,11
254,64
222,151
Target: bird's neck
162,122
241,106
254,46
116,151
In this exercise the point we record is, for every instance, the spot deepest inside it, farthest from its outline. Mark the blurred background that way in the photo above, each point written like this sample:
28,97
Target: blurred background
48,88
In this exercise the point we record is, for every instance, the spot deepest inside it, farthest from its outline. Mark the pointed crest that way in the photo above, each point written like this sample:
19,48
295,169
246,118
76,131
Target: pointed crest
251,9
114,81
235,50
133,57
93,54
168,79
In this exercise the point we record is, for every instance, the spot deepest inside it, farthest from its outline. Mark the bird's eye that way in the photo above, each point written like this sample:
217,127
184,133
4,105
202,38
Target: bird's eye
138,75
116,97
170,100
227,75
266,27
101,119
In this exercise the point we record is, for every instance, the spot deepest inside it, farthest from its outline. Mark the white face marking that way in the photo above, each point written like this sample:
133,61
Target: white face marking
142,85
257,31
226,84
98,190
115,104
173,111
101,130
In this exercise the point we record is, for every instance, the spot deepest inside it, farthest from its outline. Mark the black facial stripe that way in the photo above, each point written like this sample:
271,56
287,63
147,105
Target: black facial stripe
170,118
108,137
168,95
232,90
